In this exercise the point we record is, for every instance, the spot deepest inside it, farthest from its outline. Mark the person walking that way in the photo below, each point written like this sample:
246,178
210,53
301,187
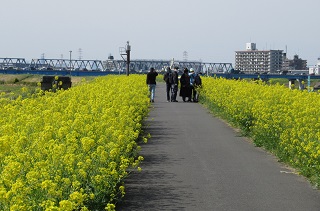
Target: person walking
193,91
151,82
185,85
197,85
174,85
167,77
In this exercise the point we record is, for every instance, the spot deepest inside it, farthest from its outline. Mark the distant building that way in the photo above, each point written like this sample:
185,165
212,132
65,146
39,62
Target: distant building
297,63
285,63
315,69
109,64
254,60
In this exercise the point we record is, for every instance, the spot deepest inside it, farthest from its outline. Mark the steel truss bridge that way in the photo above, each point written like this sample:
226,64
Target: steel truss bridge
111,65
145,65
98,68
57,64
12,62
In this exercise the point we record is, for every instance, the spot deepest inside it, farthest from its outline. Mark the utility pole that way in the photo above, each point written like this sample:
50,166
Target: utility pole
70,62
185,56
80,53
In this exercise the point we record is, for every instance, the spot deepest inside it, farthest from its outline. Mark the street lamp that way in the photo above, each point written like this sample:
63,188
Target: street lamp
128,49
70,62
126,52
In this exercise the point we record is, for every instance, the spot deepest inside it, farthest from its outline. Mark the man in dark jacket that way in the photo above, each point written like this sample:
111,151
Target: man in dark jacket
174,85
151,82
197,85
167,77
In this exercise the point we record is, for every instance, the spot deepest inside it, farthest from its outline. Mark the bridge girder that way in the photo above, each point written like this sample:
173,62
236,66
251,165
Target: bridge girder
16,62
67,64
145,65
139,65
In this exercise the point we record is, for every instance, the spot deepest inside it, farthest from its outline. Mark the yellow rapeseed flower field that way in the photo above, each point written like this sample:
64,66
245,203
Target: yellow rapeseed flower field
71,150
283,121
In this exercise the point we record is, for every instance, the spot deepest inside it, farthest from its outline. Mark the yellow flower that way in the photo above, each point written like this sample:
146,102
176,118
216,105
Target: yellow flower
66,205
272,116
57,148
122,190
110,207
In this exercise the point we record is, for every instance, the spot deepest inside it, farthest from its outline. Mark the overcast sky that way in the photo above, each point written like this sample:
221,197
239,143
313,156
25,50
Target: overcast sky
208,30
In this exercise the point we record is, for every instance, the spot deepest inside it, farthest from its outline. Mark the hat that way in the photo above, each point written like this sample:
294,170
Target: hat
152,69
191,70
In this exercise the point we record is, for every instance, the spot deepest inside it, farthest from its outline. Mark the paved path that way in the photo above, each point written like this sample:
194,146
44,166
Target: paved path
195,161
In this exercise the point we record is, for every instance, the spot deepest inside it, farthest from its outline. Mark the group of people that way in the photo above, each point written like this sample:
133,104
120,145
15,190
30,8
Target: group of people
189,83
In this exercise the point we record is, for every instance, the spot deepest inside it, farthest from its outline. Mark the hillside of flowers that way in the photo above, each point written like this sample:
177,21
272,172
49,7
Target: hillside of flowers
284,121
71,150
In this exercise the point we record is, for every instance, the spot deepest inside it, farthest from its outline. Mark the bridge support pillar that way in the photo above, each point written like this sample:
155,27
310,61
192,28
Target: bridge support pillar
300,81
301,84
291,83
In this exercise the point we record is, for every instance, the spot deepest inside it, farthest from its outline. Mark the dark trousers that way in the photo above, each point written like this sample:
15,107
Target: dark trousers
189,93
174,91
193,93
168,90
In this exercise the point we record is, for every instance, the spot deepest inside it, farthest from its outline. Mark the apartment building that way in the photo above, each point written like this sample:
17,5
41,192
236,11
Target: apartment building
253,60
297,63
315,69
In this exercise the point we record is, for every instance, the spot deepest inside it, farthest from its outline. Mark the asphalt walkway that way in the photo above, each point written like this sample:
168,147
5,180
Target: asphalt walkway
197,162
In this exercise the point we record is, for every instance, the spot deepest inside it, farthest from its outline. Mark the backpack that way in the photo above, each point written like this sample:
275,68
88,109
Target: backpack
172,77
168,78
197,80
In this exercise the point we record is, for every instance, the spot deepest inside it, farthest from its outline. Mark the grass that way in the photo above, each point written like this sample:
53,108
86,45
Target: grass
11,85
